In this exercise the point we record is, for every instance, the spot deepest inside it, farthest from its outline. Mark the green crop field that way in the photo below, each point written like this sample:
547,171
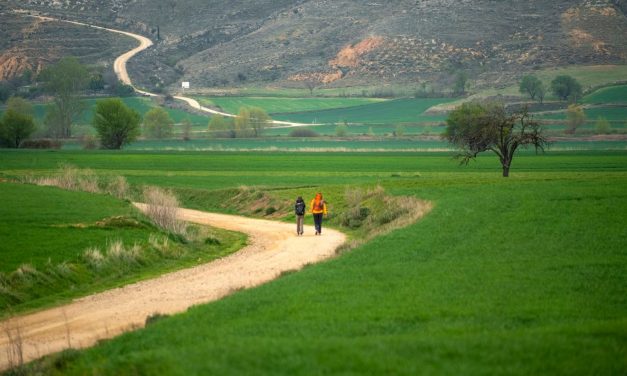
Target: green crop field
409,110
47,237
523,275
616,114
322,144
44,224
282,104
612,94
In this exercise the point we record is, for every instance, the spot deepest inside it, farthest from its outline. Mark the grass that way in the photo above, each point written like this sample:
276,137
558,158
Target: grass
616,114
53,249
43,224
408,110
283,104
612,94
505,276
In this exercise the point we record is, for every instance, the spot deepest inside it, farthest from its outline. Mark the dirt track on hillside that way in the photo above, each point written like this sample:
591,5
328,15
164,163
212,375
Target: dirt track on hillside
272,249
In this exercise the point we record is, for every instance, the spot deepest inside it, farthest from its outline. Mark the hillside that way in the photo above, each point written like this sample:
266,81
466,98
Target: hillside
345,43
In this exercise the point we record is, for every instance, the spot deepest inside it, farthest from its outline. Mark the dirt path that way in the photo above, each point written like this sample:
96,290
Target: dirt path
119,67
273,248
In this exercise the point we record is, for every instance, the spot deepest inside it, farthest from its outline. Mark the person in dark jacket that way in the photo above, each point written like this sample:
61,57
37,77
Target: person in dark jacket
299,210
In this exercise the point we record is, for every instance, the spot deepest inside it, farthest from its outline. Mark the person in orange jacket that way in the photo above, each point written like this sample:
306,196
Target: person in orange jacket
318,208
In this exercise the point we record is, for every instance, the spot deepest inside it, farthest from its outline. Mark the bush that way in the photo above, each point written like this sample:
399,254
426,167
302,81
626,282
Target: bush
162,209
603,126
43,143
303,132
341,130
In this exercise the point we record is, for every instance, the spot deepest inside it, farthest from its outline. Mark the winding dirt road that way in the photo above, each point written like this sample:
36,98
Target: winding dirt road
119,67
273,248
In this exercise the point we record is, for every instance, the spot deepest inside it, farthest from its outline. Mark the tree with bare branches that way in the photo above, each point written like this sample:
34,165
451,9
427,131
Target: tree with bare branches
475,127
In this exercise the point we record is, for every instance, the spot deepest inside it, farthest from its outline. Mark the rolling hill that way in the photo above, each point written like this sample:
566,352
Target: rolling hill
350,43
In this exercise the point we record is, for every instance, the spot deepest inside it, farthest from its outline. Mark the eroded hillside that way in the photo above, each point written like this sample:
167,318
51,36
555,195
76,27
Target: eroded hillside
217,43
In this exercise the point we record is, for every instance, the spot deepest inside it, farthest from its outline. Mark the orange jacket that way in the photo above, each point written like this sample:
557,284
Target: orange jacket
314,210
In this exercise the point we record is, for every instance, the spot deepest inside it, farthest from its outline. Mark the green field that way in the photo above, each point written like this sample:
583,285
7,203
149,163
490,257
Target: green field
282,104
612,94
47,234
322,144
409,110
524,275
43,224
614,114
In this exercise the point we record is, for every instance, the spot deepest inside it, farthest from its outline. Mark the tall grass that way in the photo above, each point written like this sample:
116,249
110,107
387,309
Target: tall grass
72,178
162,209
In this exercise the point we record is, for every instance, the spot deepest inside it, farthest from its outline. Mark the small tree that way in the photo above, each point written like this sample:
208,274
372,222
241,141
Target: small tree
531,85
566,88
399,131
20,105
219,127
15,127
65,80
158,123
575,118
251,121
115,123
341,130
541,93
474,128
186,127
459,85
603,126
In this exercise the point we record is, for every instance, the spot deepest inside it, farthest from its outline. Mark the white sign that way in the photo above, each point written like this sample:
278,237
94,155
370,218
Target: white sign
185,85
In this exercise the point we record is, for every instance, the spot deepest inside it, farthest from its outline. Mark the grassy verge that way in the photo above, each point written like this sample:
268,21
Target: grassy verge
509,276
57,245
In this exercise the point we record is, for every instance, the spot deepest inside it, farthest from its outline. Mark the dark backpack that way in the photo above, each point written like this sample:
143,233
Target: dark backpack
299,208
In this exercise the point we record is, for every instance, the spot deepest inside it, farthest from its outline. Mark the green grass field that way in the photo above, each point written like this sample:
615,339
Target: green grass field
322,144
612,94
46,232
282,104
43,224
410,110
524,275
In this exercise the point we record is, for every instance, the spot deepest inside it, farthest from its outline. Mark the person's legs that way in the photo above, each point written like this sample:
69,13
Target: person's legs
318,222
299,224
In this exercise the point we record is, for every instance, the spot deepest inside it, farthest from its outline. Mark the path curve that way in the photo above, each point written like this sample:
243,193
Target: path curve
119,67
272,249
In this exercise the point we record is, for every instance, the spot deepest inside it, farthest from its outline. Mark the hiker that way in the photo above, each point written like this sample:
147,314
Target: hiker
318,208
299,210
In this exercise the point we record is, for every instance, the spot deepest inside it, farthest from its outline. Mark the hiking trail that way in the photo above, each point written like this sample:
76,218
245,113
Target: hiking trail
273,248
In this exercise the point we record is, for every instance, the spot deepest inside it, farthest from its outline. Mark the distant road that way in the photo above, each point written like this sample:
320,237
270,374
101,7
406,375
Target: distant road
119,67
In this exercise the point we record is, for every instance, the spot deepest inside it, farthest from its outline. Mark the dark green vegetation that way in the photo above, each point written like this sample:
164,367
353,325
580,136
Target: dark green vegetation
519,276
612,94
277,104
58,244
116,124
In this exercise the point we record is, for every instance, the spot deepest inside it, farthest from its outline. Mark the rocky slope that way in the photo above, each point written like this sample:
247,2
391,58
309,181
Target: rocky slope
340,42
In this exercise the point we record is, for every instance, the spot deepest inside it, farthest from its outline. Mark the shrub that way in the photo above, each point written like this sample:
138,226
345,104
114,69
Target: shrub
118,187
603,126
89,142
43,143
341,130
162,209
303,132
94,258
